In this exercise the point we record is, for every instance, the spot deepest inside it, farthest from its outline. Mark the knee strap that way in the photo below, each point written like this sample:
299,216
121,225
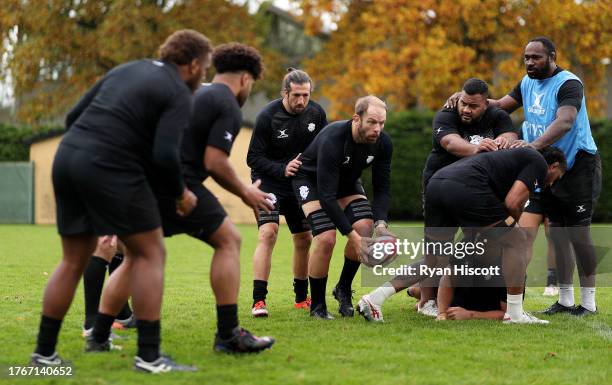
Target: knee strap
319,222
358,209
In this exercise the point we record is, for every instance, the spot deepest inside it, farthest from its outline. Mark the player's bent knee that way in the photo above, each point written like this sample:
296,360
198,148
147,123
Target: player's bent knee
268,234
326,241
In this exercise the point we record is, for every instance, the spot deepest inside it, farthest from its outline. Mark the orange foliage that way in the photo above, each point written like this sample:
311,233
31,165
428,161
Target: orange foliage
417,52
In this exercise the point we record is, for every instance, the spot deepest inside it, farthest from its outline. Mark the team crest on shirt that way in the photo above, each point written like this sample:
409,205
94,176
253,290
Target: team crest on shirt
370,159
347,159
228,136
580,208
282,134
304,192
475,139
311,127
536,107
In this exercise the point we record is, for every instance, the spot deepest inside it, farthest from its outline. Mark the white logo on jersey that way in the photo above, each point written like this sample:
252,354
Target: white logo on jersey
282,134
535,184
369,159
304,192
581,209
439,130
271,198
311,127
475,139
536,107
228,136
526,204
347,160
158,63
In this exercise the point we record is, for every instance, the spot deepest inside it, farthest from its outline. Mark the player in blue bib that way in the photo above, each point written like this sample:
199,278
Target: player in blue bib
555,114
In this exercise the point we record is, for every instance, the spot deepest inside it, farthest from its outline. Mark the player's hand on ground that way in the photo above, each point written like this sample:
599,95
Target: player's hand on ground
487,145
458,313
106,247
441,317
293,166
186,203
257,199
502,143
452,101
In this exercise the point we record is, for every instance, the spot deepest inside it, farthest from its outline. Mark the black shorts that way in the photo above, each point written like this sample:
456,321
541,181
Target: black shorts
96,196
305,189
534,204
285,204
571,200
450,204
201,223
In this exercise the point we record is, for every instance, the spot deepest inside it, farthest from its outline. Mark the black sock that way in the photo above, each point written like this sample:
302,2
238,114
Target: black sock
551,279
349,270
300,288
102,327
317,291
125,313
227,320
114,263
260,290
93,281
47,335
148,339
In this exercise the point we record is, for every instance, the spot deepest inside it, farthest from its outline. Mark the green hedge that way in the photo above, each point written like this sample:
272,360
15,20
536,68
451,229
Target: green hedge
15,141
411,133
412,141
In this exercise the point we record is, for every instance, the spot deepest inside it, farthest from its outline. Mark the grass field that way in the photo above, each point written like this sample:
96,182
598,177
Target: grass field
407,349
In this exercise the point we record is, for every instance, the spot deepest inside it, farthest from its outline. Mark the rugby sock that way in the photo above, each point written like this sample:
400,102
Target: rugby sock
125,313
587,298
380,295
260,290
514,305
566,295
102,327
300,288
148,339
93,281
115,262
227,320
317,291
47,335
349,270
551,279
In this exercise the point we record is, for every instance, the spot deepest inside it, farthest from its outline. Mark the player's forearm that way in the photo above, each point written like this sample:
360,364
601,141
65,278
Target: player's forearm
491,314
461,149
262,165
224,174
445,294
554,132
336,214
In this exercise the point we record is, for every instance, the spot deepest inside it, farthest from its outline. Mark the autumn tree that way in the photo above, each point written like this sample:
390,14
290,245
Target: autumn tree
417,52
55,50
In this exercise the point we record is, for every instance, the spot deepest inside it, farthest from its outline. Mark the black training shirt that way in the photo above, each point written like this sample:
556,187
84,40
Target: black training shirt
334,159
278,137
216,122
135,115
492,123
498,170
570,93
